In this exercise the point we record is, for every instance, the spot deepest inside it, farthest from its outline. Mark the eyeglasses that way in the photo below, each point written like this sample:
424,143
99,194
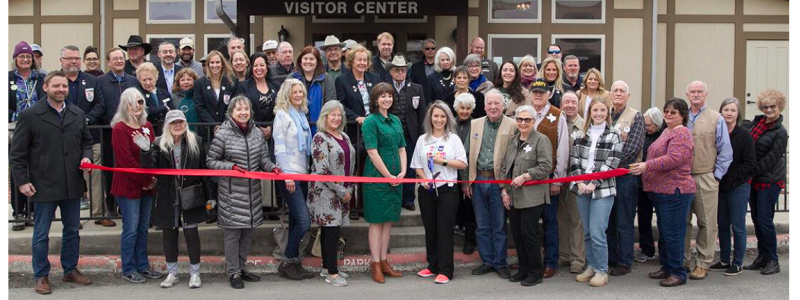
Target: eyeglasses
92,59
769,107
71,58
524,120
474,67
553,51
671,112
140,102
429,48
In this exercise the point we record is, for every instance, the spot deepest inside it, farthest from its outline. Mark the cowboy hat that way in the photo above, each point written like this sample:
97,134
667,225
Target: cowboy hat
135,41
398,61
331,41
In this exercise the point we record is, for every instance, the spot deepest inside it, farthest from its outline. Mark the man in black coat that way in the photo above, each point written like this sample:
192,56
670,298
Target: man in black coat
411,107
285,65
49,145
384,55
425,66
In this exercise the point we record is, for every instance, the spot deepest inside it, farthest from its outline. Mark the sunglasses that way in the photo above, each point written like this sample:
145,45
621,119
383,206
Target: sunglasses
553,51
429,48
671,112
140,102
769,107
524,120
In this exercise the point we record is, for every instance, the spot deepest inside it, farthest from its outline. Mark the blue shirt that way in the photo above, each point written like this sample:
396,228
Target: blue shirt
169,76
723,142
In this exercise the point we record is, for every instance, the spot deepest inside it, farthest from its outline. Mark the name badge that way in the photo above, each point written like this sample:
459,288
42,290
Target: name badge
165,101
89,93
226,98
415,102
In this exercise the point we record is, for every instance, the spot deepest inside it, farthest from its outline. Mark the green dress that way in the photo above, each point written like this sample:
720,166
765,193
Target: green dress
381,200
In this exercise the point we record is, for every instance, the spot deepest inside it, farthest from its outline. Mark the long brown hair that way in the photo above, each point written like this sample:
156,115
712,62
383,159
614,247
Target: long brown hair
313,50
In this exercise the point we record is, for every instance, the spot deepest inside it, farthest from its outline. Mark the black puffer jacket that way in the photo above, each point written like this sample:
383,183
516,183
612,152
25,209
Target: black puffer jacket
771,153
239,199
163,215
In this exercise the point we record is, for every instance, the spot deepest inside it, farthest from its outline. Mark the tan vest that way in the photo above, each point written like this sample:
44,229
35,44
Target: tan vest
575,129
626,121
705,141
550,130
504,133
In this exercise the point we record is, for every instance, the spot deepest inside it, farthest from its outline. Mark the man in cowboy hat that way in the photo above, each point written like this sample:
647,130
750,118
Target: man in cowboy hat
411,111
137,49
333,53
270,48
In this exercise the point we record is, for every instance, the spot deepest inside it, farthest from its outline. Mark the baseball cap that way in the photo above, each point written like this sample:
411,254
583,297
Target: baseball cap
186,42
269,45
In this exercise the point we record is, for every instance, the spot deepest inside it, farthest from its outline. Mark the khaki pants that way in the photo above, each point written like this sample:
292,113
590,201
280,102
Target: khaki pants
571,247
96,187
705,207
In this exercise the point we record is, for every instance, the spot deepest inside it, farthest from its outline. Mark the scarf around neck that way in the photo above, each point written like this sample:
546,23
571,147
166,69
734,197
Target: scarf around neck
303,131
473,85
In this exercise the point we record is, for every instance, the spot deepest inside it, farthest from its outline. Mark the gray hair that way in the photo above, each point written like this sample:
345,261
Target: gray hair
166,44
465,99
129,97
429,40
703,84
655,115
239,99
449,127
527,59
732,100
472,59
525,108
166,142
623,84
446,51
571,56
231,40
284,44
69,47
327,109
495,93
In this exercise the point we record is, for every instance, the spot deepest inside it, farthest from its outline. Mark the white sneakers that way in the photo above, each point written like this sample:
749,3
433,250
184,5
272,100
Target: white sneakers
194,281
585,276
599,280
170,281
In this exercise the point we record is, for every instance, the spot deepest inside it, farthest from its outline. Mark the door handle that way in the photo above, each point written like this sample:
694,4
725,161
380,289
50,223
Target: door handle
751,102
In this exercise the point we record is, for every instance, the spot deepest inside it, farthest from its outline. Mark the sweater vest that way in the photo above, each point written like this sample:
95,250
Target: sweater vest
705,141
624,122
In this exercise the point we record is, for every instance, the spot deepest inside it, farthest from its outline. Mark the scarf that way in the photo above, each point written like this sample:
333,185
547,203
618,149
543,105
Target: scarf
303,131
527,80
26,92
473,85
244,127
315,96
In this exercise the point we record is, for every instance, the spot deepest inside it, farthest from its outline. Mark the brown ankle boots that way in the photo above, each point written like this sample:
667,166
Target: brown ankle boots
388,271
377,274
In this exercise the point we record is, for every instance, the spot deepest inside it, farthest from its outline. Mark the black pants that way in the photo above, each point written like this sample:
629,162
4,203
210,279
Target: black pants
645,217
170,240
108,161
439,217
466,218
330,246
525,230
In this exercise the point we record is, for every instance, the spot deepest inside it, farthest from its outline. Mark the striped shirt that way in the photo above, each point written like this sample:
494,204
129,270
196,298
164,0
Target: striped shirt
607,153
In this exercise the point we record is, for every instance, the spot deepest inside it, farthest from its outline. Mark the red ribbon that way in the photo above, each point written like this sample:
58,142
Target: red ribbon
331,178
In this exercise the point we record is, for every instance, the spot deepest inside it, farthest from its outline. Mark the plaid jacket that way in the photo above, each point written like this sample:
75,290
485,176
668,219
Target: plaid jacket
607,157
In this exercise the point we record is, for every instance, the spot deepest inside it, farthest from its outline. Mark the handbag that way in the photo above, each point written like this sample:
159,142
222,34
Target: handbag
281,236
192,197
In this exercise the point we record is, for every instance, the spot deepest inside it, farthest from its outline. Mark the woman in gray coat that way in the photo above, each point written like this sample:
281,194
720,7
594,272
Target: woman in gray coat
328,202
237,146
528,156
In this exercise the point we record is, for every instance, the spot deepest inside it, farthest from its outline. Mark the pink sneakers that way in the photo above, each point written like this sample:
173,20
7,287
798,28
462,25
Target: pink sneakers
425,273
441,279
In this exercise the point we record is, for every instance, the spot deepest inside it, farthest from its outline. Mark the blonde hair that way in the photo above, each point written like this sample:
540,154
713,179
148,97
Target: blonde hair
528,60
285,94
771,95
167,141
351,56
227,71
559,83
129,97
384,35
147,67
601,85
588,122
246,62
327,109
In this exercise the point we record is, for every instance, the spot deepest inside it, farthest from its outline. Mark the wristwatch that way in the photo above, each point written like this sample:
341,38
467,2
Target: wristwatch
444,163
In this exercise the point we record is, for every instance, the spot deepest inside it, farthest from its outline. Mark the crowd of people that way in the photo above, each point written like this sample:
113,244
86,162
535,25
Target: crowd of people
434,119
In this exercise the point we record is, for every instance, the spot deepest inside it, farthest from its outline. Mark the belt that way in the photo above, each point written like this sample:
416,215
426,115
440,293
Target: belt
486,173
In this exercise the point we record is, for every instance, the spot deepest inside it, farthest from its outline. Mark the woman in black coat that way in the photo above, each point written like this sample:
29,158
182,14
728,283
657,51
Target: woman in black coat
441,83
213,92
769,177
178,148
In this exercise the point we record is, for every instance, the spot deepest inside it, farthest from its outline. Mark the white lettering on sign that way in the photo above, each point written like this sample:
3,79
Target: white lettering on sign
368,7
357,261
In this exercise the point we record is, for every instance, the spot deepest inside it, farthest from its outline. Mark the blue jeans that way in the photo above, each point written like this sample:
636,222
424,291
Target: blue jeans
594,217
550,218
731,214
671,212
490,215
299,220
620,230
762,210
43,216
135,221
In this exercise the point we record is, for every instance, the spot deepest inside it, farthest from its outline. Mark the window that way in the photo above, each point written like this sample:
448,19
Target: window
229,6
157,39
219,42
170,11
414,47
505,47
579,11
590,49
514,11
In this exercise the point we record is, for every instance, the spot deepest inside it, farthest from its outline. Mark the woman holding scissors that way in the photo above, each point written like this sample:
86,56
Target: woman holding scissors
438,155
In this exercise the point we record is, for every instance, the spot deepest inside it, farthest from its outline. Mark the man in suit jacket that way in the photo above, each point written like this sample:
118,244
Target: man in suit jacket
410,109
167,68
425,66
50,143
384,55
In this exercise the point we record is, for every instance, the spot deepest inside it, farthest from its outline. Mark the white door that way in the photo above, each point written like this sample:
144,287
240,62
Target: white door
767,67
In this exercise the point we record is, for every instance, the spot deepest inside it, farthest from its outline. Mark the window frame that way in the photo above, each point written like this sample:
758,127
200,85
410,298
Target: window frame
602,38
206,36
602,19
206,20
490,41
150,37
149,21
513,21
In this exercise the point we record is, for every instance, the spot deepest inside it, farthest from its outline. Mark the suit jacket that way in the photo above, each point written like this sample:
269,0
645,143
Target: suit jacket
504,133
382,72
347,92
162,81
534,158
263,111
211,107
89,98
47,152
157,108
418,76
414,117
438,87
12,94
112,89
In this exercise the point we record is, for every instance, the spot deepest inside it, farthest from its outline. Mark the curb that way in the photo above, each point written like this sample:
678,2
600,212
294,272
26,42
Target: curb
268,264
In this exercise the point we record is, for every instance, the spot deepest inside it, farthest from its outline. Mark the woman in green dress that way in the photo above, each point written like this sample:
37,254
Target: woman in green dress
383,139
